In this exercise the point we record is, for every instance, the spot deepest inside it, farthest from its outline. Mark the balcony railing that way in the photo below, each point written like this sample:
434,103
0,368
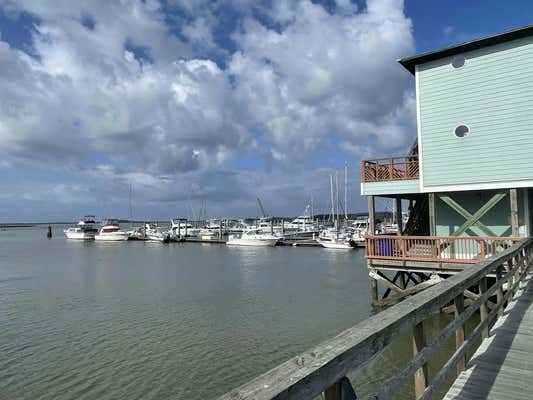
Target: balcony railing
449,249
389,169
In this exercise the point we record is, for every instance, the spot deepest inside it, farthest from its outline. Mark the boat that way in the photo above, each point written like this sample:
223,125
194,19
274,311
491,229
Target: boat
155,234
253,237
84,230
360,228
332,239
111,232
302,227
183,228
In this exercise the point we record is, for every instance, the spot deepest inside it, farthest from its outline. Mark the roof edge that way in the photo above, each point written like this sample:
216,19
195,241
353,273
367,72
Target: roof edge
409,63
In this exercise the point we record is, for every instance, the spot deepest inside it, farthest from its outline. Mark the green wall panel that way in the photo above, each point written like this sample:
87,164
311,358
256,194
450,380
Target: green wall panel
493,95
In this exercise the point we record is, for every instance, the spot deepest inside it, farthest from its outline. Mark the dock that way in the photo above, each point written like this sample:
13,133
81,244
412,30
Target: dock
500,368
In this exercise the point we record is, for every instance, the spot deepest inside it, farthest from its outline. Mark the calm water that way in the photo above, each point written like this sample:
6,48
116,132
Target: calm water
142,320
150,321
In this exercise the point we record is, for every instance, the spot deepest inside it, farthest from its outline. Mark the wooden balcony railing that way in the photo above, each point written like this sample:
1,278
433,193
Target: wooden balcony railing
389,169
449,249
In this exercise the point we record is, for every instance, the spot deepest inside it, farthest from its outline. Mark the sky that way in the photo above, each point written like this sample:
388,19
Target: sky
198,103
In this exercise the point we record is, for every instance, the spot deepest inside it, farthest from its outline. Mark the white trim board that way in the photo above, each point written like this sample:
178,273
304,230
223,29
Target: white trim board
478,186
419,128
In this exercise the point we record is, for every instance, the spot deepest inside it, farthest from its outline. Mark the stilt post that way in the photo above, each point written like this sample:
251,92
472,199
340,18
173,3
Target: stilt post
371,215
514,212
399,217
432,215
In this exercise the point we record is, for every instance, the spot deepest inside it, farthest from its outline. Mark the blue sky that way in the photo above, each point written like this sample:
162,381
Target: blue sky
219,101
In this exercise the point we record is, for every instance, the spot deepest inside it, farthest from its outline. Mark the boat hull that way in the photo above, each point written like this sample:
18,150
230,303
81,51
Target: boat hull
252,242
80,235
112,237
336,245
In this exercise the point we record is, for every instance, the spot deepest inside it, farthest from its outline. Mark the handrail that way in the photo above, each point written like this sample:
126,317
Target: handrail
449,249
321,368
390,169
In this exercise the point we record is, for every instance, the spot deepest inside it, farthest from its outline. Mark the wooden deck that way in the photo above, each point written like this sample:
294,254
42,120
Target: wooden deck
502,367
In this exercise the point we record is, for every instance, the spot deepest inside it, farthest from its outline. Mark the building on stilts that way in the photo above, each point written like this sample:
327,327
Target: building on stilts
467,180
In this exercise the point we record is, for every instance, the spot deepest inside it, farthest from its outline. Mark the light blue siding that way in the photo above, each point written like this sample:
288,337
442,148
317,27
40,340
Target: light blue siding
391,187
493,95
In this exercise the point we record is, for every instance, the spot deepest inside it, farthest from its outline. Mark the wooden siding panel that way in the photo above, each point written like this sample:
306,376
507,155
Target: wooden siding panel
493,95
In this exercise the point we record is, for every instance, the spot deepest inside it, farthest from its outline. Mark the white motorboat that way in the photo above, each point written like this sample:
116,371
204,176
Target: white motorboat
111,232
253,237
85,229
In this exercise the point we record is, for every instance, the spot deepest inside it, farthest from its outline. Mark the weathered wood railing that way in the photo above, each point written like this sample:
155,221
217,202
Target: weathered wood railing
389,169
320,369
449,249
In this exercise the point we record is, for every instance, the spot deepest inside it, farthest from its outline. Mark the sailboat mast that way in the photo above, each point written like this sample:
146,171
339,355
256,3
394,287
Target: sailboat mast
332,200
131,208
346,191
337,222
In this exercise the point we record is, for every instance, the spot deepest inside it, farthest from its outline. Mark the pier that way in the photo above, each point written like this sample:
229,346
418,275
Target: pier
503,324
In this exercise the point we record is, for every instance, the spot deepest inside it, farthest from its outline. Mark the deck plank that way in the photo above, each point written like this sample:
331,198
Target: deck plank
502,367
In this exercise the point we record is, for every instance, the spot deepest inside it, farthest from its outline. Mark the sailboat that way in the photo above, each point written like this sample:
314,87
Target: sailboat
334,238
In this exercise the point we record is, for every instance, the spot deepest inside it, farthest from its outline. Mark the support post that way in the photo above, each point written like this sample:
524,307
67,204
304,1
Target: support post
514,212
432,215
459,303
371,215
483,309
421,374
373,287
399,217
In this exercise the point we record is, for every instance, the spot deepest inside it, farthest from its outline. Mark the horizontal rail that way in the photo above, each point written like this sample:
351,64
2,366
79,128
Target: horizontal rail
449,249
390,169
322,368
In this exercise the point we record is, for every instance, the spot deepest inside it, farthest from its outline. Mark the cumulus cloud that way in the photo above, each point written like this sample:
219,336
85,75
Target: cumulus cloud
154,93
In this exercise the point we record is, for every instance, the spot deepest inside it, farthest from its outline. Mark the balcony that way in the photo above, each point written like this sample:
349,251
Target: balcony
389,169
441,249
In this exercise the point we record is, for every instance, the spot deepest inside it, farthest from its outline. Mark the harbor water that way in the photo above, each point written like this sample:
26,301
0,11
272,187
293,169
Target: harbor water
144,320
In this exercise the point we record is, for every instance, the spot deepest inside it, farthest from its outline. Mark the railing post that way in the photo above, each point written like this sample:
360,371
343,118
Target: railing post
482,249
483,310
421,374
459,303
499,291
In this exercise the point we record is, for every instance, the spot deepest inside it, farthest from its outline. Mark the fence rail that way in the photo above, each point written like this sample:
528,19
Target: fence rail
449,249
323,368
389,169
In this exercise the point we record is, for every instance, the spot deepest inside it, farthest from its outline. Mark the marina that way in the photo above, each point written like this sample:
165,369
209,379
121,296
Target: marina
303,200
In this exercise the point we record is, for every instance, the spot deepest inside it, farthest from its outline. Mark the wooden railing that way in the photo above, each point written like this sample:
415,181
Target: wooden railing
323,369
449,249
389,169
